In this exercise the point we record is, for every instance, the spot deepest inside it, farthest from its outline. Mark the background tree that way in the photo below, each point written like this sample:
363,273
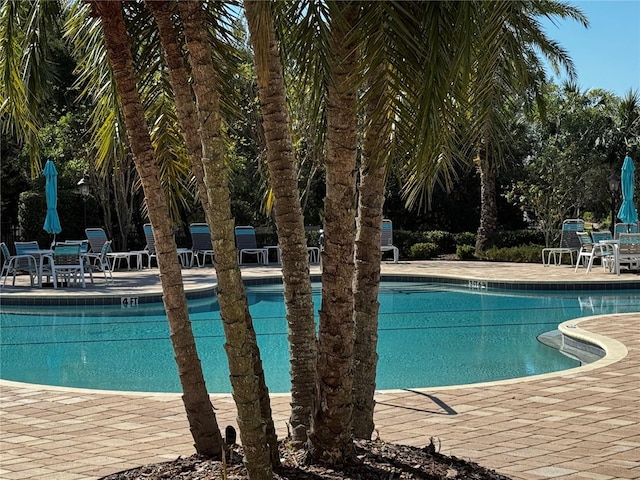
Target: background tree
506,66
576,144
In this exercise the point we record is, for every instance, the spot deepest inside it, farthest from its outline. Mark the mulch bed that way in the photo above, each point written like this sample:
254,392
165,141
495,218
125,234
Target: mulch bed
374,460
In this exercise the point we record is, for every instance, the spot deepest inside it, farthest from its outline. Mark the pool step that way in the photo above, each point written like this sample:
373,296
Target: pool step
579,350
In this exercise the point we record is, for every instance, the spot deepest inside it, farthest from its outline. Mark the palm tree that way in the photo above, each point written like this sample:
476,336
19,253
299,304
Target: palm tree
382,57
367,277
329,50
199,409
247,378
436,105
506,65
288,216
330,438
204,428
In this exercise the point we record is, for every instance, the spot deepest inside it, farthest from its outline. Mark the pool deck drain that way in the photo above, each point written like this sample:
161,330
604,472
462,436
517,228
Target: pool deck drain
582,423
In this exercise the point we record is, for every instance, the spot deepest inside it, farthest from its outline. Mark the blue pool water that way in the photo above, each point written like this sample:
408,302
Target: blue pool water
430,335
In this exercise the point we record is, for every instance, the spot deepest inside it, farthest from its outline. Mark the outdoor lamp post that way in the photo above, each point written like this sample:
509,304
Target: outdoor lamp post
614,186
84,186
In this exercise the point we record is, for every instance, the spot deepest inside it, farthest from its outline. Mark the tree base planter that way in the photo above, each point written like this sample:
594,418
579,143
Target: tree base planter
376,460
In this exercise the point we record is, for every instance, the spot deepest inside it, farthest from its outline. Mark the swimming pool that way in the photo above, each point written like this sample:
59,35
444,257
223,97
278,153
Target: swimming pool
430,335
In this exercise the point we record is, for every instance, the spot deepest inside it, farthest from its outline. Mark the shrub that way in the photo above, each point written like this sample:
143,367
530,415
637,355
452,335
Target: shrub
465,238
404,239
515,238
465,252
444,240
522,254
423,251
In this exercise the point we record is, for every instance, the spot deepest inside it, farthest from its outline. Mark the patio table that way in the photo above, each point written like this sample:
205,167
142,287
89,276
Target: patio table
42,255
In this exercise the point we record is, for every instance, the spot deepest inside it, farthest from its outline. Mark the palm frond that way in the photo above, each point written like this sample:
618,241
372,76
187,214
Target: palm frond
95,83
26,69
490,69
305,43
173,160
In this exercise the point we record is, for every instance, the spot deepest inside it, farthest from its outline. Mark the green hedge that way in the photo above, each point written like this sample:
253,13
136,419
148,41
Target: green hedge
516,238
444,240
424,251
523,246
521,254
404,239
465,252
465,238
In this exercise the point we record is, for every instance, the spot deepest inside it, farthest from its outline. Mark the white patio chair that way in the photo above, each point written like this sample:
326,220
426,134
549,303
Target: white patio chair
67,265
97,238
590,249
13,264
625,228
100,261
185,255
628,251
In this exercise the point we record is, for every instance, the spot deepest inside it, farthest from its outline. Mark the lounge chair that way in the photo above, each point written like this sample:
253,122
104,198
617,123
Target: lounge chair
13,264
185,255
246,245
97,238
386,243
569,243
150,248
201,243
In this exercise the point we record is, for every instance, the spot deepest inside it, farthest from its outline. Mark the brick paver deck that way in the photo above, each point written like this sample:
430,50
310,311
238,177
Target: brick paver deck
582,423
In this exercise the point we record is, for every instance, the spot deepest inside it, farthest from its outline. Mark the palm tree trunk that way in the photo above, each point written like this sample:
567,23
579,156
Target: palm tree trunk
368,255
251,396
202,419
330,440
182,94
288,215
488,229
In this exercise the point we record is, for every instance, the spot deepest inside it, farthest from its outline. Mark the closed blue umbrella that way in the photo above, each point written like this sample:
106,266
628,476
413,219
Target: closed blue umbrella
627,212
51,222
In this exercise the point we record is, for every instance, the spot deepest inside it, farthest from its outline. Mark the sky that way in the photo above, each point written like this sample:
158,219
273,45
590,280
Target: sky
607,54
